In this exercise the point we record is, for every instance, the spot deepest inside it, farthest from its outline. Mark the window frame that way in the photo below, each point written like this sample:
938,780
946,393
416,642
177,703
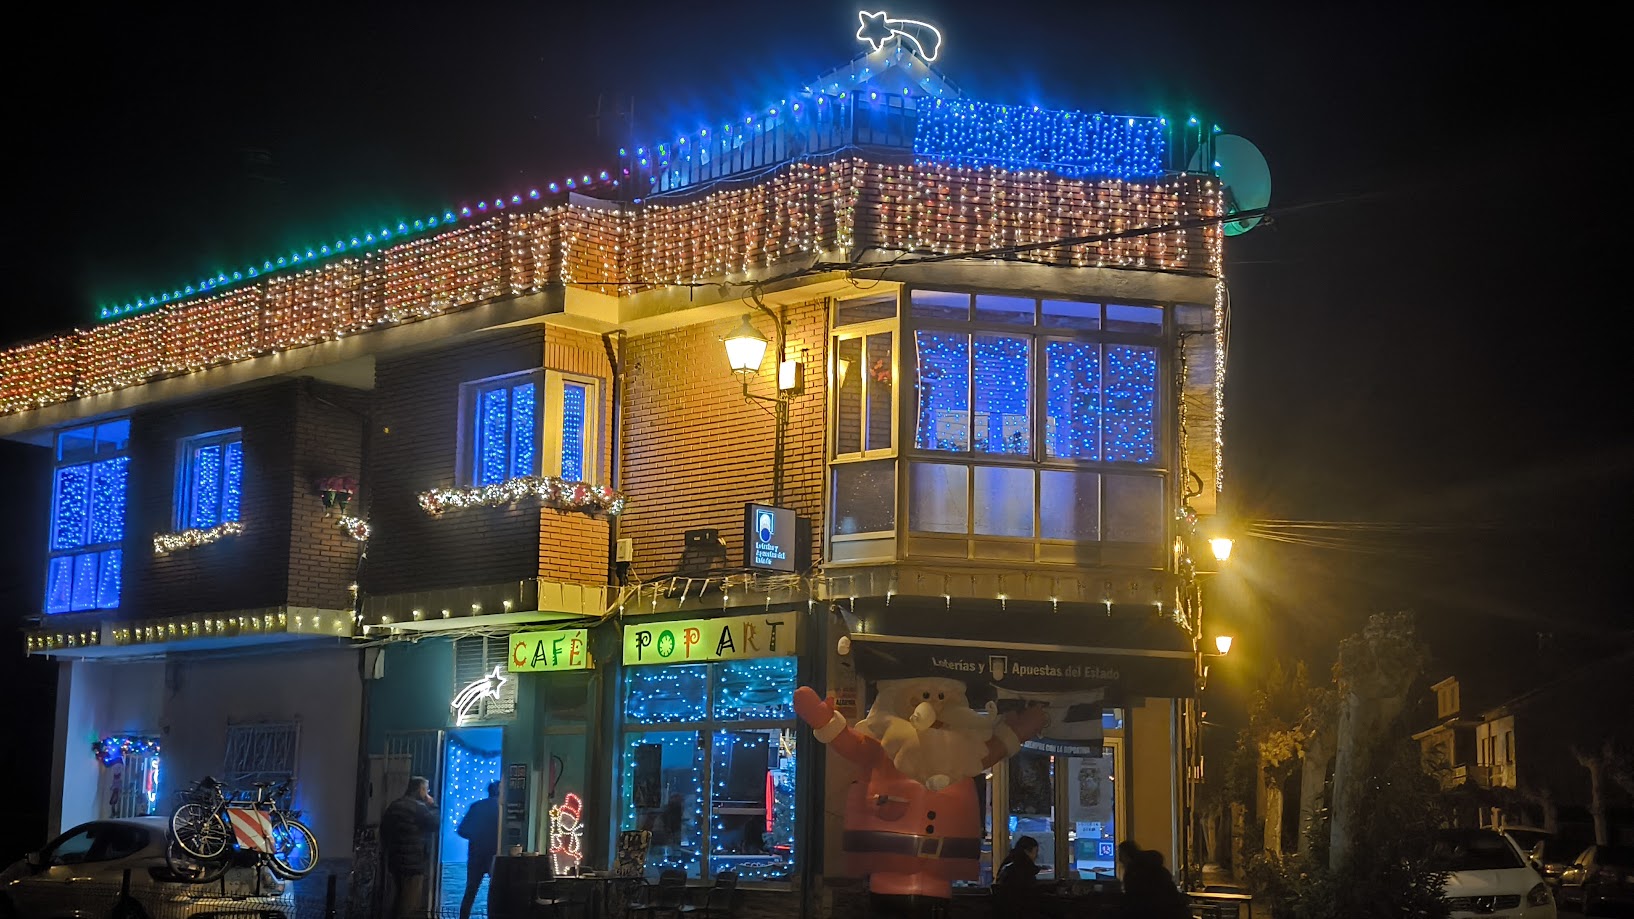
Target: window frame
99,550
1037,459
861,331
186,483
549,386
551,460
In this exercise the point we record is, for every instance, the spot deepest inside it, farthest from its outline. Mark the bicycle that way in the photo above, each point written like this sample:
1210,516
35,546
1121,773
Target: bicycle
209,826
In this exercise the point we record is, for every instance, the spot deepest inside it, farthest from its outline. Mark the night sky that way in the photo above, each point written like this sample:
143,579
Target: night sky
1428,348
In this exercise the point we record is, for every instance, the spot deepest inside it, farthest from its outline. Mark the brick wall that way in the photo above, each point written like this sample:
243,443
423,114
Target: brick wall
573,547
240,572
696,452
328,441
413,446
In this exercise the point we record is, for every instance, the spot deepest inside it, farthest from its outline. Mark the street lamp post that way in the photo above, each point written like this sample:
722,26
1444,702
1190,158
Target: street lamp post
1219,546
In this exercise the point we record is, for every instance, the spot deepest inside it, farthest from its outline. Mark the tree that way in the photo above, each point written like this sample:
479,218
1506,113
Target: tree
1375,672
1608,765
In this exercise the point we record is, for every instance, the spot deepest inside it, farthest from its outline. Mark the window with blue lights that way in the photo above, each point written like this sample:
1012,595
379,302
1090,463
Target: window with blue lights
529,424
709,766
210,488
1034,418
88,518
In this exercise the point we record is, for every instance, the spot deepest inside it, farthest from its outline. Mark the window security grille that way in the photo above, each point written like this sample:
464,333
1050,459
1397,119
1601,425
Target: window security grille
263,752
476,657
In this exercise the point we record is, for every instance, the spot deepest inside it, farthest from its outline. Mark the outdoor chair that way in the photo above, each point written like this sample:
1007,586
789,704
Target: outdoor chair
668,897
561,901
718,901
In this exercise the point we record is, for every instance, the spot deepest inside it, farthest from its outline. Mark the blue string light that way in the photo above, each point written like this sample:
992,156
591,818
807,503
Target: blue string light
88,509
1129,416
1069,143
469,770
573,403
1096,409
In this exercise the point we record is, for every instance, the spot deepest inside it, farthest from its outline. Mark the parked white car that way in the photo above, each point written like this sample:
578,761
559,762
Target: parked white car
81,875
1488,876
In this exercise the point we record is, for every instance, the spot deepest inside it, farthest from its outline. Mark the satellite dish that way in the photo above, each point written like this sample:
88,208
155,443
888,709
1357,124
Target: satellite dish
1243,173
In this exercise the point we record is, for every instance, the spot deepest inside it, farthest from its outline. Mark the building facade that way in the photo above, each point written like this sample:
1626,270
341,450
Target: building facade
480,498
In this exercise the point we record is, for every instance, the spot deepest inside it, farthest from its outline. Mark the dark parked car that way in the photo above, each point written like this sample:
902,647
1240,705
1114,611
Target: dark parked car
1600,877
1554,854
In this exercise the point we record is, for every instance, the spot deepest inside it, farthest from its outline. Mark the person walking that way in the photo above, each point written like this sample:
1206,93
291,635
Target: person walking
404,829
480,829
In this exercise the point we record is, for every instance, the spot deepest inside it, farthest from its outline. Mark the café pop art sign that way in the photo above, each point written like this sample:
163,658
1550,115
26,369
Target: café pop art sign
694,641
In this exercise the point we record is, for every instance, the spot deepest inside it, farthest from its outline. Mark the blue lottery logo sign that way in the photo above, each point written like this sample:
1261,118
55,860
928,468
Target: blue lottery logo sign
768,537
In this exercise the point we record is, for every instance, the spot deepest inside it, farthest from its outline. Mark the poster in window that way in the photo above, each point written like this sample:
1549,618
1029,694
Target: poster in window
631,859
1032,792
647,787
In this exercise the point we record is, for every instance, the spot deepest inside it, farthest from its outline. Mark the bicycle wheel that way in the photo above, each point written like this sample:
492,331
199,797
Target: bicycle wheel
199,830
191,869
294,848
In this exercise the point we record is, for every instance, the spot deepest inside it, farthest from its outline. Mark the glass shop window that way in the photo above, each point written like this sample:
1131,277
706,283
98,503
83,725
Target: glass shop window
84,571
709,766
211,480
528,424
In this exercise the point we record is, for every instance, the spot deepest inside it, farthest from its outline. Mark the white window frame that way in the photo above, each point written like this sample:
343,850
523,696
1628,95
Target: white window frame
551,458
549,385
184,470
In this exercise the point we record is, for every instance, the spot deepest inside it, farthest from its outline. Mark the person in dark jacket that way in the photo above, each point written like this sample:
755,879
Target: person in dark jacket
403,831
1015,889
480,828
1149,890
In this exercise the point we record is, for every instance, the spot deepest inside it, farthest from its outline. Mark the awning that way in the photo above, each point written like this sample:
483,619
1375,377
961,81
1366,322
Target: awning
996,670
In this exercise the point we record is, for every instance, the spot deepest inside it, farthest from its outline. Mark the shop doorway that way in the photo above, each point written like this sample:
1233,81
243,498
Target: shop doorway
471,760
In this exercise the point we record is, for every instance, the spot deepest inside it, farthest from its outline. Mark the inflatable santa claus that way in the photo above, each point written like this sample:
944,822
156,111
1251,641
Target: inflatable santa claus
912,818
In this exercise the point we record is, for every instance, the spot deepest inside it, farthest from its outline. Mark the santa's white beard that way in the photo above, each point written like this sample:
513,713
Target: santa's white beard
951,755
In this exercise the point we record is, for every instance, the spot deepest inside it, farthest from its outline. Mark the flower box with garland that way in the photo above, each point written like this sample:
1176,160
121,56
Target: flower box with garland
549,491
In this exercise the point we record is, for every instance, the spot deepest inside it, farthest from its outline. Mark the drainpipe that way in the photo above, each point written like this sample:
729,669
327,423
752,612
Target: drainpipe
615,446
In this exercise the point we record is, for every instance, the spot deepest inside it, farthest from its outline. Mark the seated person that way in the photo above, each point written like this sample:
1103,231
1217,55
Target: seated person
1015,890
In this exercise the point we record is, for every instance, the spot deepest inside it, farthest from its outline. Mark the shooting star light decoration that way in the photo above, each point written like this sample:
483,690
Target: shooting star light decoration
486,687
878,28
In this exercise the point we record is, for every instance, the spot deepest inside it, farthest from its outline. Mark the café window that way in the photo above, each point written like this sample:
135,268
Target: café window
709,766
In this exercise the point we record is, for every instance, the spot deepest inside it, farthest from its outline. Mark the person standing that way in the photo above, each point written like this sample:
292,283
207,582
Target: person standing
480,829
404,829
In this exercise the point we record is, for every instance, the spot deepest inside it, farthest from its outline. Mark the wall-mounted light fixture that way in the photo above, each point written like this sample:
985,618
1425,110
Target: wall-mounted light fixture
745,352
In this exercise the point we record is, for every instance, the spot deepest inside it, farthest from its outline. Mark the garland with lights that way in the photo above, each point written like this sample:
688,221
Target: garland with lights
551,491
165,543
111,751
800,210
356,527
